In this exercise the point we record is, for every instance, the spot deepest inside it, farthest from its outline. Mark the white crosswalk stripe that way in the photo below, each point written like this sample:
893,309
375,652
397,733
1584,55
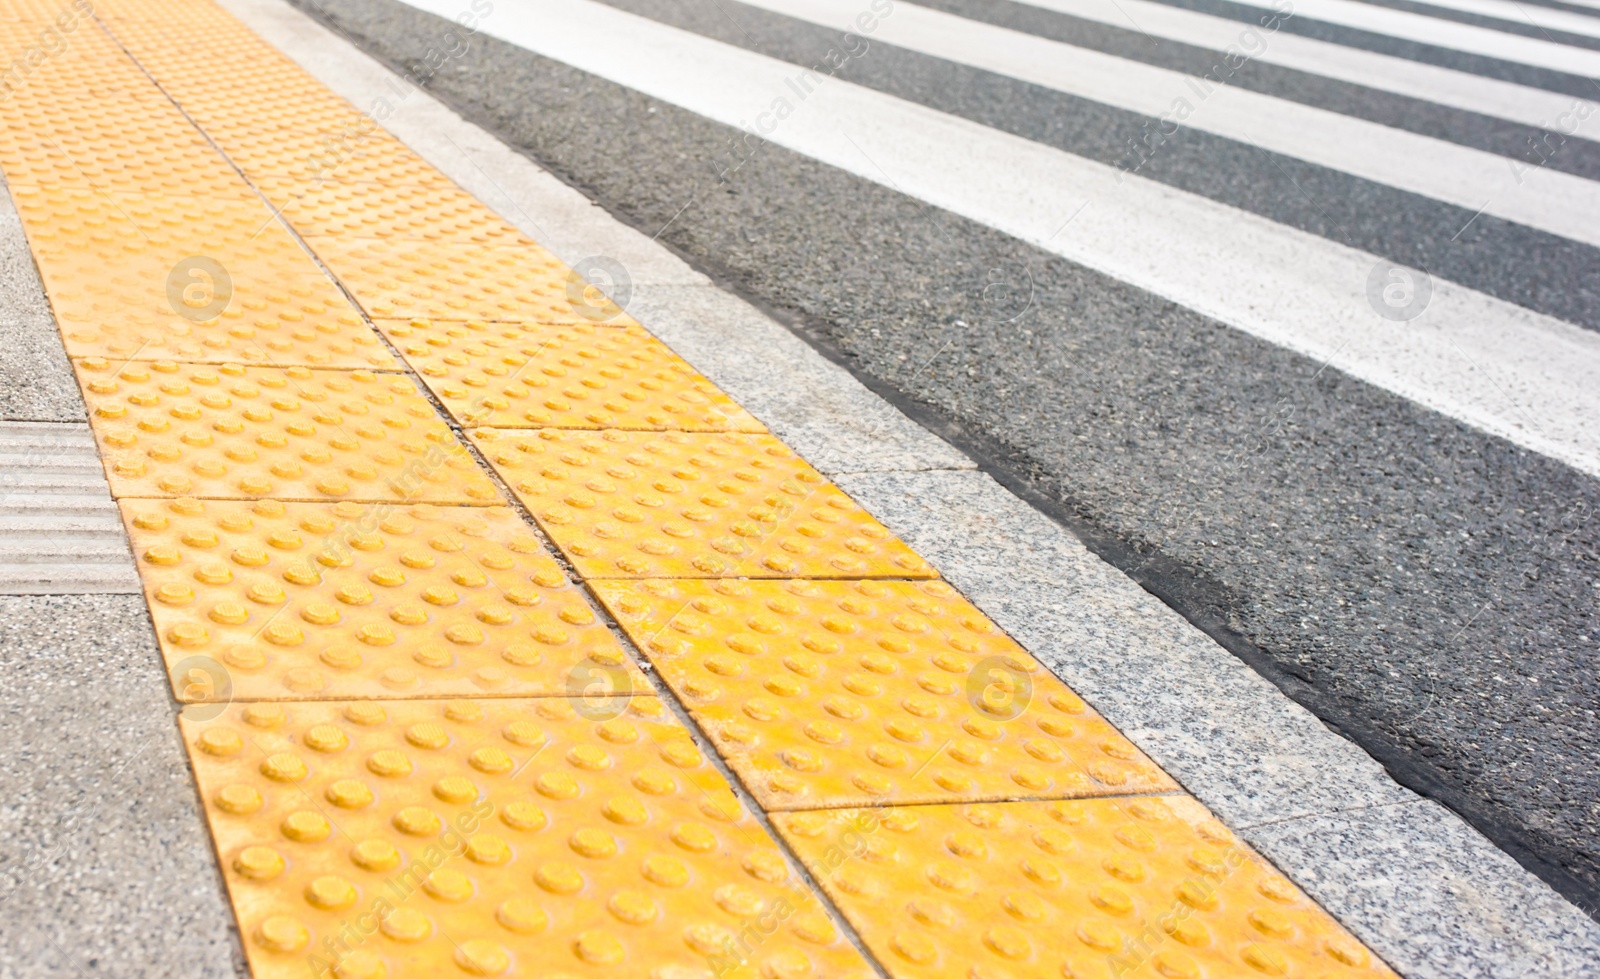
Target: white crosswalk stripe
1421,29
1512,372
1444,86
1472,179
1525,14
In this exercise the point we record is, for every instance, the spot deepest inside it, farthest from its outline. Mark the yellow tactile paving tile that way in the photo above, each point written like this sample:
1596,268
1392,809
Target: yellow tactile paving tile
330,167
149,245
527,375
691,505
113,224
202,12
291,323
75,229
1093,889
458,838
88,114
167,429
409,279
316,600
264,87
372,209
366,154
268,116
45,12
260,77
850,693
155,277
169,162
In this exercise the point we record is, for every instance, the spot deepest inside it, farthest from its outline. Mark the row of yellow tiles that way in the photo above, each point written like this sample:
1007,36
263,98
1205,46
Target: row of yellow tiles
359,621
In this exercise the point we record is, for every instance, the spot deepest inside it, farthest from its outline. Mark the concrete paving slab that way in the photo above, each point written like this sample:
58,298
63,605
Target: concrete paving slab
826,415
59,529
1227,734
105,864
36,382
1401,871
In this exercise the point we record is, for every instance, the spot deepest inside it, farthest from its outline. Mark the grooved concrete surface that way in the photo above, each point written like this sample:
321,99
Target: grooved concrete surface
59,530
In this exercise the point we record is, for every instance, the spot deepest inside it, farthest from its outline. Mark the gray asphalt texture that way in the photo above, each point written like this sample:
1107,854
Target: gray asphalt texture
1505,25
1487,133
1541,271
1509,71
1429,591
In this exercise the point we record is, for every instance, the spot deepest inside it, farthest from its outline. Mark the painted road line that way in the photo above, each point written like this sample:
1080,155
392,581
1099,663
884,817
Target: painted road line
1525,14
1511,372
1555,202
1421,29
1404,227
1223,729
1414,79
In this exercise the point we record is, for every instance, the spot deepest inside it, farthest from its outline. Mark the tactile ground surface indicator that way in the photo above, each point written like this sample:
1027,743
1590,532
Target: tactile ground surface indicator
332,169
170,429
396,278
836,693
447,838
520,375
310,600
149,244
212,280
437,210
1090,889
690,505
87,116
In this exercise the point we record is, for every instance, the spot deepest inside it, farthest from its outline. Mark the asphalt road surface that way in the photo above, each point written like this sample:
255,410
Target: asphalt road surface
1428,589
